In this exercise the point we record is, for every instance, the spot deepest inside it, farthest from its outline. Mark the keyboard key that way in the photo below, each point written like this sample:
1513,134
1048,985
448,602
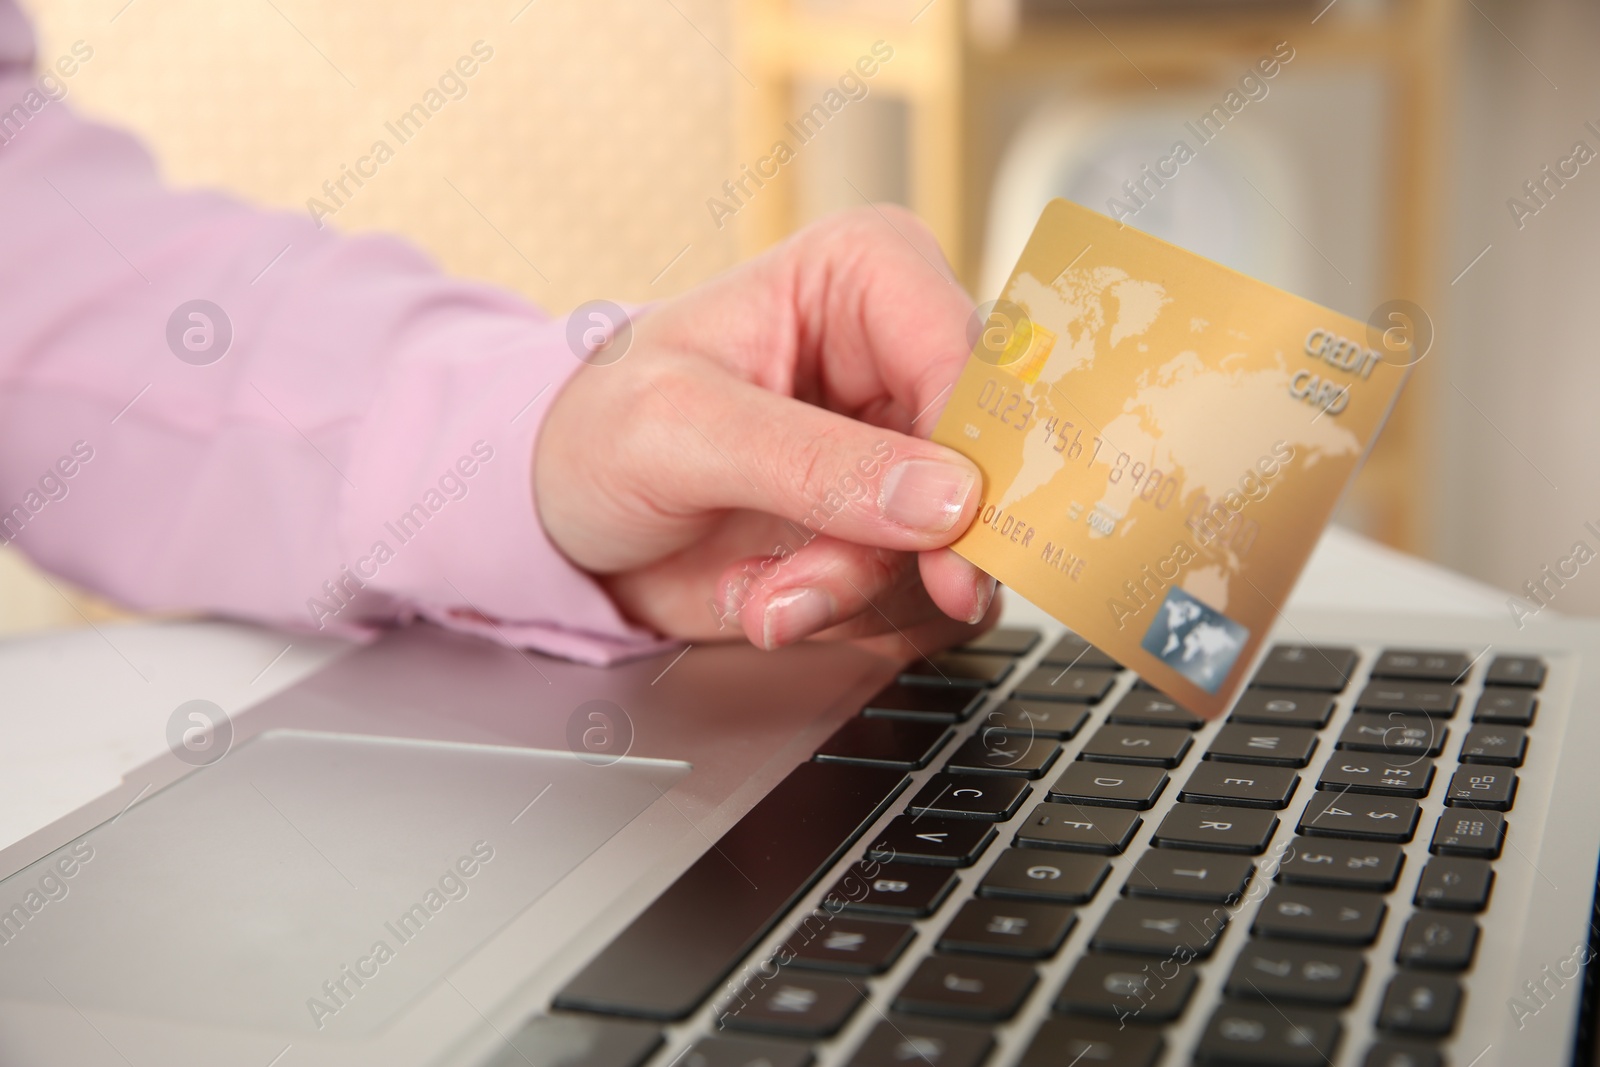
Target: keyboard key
579,1041
1493,788
1406,777
793,1005
1237,785
993,752
1476,834
1044,875
1039,718
1298,914
938,703
1438,941
1526,671
1160,928
1509,707
1370,818
1148,745
1409,698
855,946
1172,874
1502,746
1334,864
1141,707
1077,685
932,839
897,889
1402,1054
670,957
907,1042
1073,651
1283,707
1420,1003
1398,735
970,796
1455,884
1114,787
1004,641
1421,665
1213,829
1247,743
1084,829
1066,1041
1124,988
959,987
1307,974
1008,928
1323,669
969,669
725,1051
884,742
1247,1033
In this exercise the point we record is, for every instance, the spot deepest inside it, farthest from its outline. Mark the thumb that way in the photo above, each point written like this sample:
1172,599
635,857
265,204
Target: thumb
741,446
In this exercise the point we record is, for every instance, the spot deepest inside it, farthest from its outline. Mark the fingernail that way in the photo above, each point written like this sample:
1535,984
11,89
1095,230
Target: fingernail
985,597
793,615
925,494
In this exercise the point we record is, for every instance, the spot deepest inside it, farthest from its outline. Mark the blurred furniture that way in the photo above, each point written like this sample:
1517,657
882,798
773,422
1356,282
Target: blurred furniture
955,61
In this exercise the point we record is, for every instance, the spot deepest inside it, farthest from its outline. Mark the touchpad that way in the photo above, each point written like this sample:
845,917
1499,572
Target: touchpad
309,883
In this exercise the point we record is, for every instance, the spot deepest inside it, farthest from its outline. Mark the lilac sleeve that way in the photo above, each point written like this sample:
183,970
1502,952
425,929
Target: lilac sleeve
340,438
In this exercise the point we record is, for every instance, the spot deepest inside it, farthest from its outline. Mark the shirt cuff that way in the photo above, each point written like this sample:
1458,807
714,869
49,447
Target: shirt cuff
441,514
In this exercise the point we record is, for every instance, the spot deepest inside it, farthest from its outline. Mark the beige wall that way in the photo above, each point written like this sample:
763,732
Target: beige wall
590,141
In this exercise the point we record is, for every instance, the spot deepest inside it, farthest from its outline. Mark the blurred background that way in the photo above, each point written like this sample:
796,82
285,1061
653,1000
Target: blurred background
628,149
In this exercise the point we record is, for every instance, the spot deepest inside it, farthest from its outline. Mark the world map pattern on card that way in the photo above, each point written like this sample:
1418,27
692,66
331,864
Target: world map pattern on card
1162,440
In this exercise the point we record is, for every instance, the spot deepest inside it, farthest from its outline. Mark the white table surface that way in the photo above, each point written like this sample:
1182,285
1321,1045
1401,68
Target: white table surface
81,708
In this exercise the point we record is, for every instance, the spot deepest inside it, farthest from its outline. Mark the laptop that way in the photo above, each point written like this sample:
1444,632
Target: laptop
437,852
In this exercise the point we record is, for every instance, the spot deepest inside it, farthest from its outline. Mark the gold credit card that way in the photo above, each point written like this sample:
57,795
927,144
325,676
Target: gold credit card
1162,440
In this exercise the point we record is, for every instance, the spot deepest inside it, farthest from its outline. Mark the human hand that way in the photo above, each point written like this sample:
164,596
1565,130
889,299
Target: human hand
753,458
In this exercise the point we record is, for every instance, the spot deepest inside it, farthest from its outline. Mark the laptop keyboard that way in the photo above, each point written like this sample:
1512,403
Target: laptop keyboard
1043,783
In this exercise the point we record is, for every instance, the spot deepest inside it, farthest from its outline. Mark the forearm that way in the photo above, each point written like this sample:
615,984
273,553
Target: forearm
359,455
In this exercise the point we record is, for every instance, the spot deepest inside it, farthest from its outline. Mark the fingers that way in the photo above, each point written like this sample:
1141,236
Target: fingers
859,313
959,588
840,591
825,585
932,636
699,595
722,443
887,315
